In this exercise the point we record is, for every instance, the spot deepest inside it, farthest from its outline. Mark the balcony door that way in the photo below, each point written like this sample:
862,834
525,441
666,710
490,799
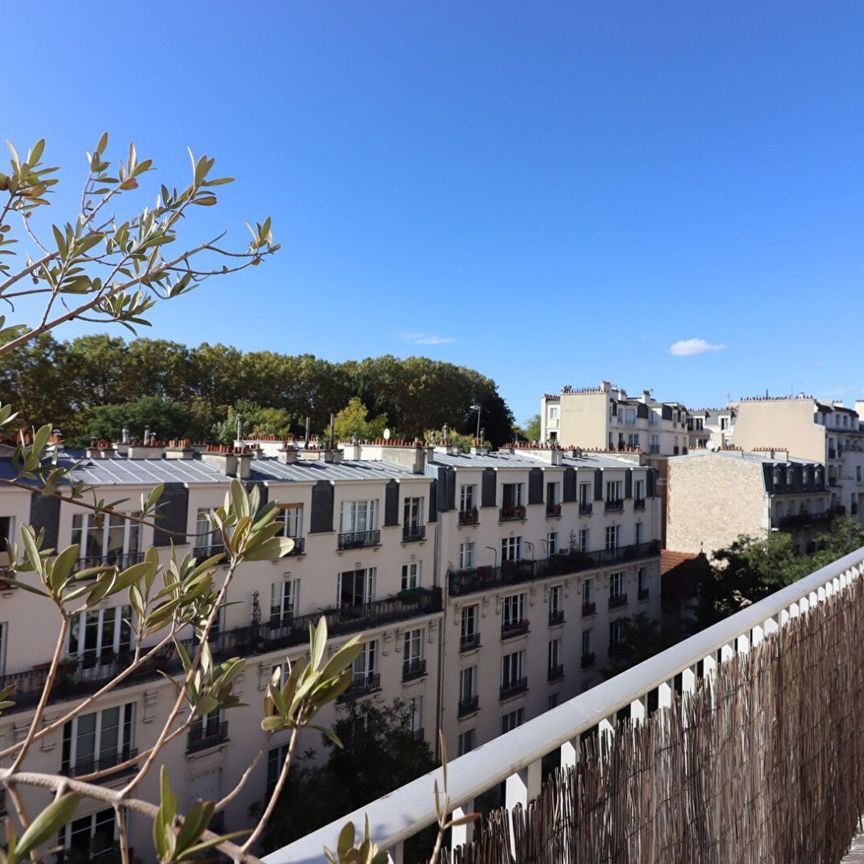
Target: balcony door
356,587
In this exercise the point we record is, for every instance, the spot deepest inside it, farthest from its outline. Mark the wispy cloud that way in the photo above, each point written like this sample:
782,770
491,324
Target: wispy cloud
692,347
426,339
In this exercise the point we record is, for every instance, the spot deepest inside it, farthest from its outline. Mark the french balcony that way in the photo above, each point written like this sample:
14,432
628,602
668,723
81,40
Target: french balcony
469,517
615,505
556,618
586,508
413,533
588,609
568,562
299,546
693,679
555,673
511,629
359,539
638,503
644,593
511,514
617,600
201,737
120,560
413,668
91,764
803,520
363,684
469,642
202,553
513,688
553,510
469,706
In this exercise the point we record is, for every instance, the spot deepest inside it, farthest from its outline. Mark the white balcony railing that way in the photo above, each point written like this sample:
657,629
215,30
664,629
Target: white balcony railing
515,758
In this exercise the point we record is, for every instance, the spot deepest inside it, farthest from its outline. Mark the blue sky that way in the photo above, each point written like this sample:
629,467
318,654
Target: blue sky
553,193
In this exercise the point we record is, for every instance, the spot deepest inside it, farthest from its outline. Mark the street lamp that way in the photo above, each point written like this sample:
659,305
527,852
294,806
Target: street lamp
478,408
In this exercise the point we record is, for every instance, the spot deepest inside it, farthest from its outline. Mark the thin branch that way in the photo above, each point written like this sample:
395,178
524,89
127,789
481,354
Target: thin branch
221,805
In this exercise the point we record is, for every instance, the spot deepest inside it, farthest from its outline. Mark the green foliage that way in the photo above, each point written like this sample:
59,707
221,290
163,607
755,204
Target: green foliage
379,754
254,420
642,637
353,420
166,419
530,431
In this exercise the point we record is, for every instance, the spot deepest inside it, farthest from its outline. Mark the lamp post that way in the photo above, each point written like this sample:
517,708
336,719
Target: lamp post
478,408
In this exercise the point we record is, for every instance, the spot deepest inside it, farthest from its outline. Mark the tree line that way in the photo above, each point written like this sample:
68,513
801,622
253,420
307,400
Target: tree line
95,385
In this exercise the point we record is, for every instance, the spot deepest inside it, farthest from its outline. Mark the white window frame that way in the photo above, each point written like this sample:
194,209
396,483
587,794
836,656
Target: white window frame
467,741
122,621
369,577
97,820
587,591
359,516
467,555
511,549
519,495
512,668
290,516
553,653
468,497
551,543
412,575
613,536
132,534
125,720
512,719
617,584
556,594
284,601
584,540
470,613
467,683
412,645
513,609
412,512
366,663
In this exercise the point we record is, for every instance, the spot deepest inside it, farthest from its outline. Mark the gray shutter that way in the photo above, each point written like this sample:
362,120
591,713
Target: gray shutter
173,515
598,484
568,492
450,502
45,513
642,410
433,501
321,517
391,504
628,483
651,484
490,490
535,486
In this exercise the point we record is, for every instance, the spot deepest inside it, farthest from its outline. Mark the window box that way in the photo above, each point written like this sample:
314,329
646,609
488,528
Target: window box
553,509
510,514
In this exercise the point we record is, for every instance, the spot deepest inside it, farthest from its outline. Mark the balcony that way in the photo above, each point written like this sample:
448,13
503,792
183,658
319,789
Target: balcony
92,764
638,503
587,660
614,506
201,737
469,706
413,533
413,669
299,546
121,560
202,553
511,514
516,572
363,684
77,678
359,539
555,673
513,688
469,517
585,508
681,701
510,629
553,510
588,609
617,600
469,642
803,520
556,618
644,593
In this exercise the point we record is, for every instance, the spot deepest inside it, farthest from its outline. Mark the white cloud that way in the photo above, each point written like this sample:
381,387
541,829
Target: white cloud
426,339
692,347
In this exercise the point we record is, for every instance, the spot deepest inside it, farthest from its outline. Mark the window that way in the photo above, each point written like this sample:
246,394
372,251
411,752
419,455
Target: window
587,591
639,493
555,594
513,611
616,584
7,532
207,729
513,719
586,643
552,495
275,759
584,494
467,741
107,538
359,516
91,837
724,423
553,412
412,513
411,575
512,670
512,495
3,626
511,549
98,740
655,443
633,439
100,634
554,654
467,685
637,533
585,540
366,665
205,536
283,601
551,543
552,701
616,633
290,518
613,490
470,630
356,587
412,643
629,416
642,580
468,497
612,533
414,715
466,556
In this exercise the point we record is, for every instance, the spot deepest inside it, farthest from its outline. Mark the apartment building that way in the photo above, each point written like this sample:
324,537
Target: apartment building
710,427
543,552
364,557
713,497
824,432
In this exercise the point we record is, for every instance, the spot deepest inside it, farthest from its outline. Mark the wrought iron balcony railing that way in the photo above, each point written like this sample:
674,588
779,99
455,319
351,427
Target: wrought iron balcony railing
91,764
556,617
514,628
553,673
468,706
588,609
617,600
469,642
585,508
553,509
121,560
614,506
413,668
359,539
201,737
413,533
469,517
513,688
510,514
587,660
516,572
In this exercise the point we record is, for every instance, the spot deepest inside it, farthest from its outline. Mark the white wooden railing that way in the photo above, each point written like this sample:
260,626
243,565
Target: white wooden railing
515,758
